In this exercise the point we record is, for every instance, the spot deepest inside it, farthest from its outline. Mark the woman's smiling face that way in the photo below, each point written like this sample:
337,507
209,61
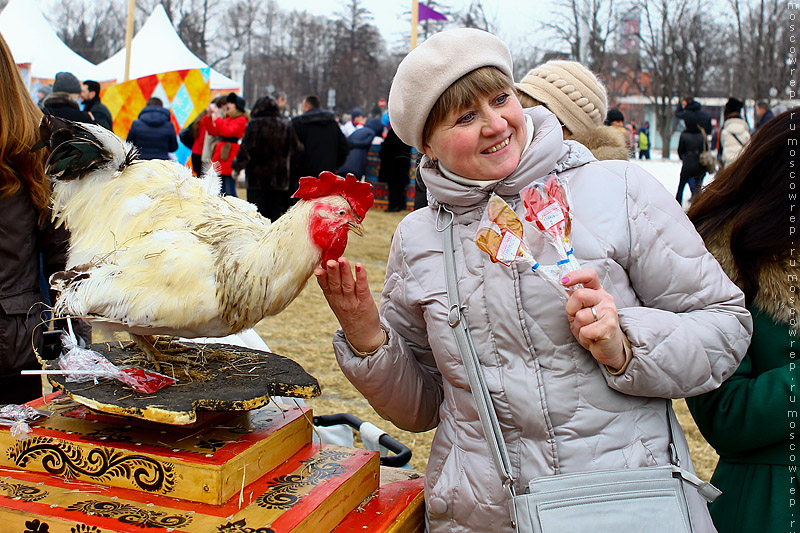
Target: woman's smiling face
483,141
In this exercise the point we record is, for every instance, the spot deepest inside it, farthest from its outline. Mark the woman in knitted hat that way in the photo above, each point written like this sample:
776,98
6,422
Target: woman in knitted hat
579,101
735,131
577,375
63,100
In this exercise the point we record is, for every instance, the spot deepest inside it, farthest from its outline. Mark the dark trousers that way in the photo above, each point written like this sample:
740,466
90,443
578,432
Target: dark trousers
197,164
397,195
271,204
228,186
694,182
644,154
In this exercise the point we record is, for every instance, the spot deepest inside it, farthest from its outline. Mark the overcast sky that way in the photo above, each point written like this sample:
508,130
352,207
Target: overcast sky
514,20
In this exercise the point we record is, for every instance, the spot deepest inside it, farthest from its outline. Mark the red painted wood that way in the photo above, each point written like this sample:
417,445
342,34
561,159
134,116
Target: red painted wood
383,509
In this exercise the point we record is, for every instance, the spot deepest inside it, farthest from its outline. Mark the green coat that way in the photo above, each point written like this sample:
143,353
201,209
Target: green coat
752,422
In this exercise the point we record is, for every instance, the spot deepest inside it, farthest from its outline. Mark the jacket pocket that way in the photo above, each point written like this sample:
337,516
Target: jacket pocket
439,501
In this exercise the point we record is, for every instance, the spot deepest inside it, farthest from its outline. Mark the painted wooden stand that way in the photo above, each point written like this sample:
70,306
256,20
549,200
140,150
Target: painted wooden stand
253,472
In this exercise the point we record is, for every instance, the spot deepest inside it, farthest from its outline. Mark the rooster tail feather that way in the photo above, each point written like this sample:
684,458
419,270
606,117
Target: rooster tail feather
211,182
77,149
59,281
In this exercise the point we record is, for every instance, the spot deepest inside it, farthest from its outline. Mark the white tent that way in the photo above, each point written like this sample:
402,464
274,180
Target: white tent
157,48
33,41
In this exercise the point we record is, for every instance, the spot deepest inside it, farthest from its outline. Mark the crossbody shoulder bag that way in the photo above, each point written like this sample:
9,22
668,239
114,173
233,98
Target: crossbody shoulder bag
627,499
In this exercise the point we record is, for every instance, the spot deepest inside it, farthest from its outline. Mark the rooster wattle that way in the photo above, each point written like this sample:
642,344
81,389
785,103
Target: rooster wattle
156,251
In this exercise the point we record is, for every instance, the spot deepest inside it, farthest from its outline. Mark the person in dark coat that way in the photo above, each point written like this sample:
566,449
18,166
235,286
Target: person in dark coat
359,142
750,228
63,101
691,110
90,96
690,144
763,114
267,149
395,163
26,232
325,146
153,132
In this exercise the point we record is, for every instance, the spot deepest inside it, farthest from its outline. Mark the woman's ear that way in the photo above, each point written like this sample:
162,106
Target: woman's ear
427,150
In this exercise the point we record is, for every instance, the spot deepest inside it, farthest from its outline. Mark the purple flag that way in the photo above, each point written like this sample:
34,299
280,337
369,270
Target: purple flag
427,13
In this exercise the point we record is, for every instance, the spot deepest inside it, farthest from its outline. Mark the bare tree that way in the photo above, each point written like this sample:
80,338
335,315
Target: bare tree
762,45
587,27
474,17
665,60
193,26
354,57
92,30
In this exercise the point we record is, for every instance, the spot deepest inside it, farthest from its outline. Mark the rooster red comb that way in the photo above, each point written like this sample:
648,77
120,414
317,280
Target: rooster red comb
357,193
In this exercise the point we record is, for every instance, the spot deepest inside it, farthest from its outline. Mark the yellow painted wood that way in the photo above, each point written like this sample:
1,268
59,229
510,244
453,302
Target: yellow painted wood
335,507
321,501
412,518
189,477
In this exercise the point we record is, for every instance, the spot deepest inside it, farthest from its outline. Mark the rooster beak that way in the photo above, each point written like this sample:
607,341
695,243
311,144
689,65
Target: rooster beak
356,228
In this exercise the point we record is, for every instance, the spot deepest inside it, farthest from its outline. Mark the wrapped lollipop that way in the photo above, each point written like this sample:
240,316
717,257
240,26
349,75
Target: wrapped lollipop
501,235
547,206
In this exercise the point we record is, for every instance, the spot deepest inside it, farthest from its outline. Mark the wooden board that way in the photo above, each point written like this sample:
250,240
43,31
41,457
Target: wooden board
203,464
247,383
310,493
398,506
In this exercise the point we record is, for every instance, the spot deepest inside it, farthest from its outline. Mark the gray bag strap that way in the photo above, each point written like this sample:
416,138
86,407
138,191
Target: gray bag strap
480,392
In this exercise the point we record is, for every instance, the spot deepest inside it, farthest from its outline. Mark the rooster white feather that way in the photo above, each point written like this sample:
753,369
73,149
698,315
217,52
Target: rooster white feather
154,250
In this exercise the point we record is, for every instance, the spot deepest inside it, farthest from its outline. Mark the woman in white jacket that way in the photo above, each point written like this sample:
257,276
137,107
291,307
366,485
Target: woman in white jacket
576,382
735,132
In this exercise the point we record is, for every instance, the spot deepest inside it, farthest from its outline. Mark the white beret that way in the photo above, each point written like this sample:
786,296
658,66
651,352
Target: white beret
428,70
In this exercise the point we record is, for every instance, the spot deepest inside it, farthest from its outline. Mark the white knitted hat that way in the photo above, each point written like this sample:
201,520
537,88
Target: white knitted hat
428,70
570,91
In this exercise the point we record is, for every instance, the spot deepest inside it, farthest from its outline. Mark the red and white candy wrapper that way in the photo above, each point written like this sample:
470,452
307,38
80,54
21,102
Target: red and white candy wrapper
548,208
93,366
501,234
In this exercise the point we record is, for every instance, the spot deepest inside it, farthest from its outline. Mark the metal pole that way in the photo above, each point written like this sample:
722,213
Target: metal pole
414,21
129,38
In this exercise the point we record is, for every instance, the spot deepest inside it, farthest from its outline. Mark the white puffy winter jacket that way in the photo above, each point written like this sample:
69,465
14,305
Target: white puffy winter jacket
734,135
560,410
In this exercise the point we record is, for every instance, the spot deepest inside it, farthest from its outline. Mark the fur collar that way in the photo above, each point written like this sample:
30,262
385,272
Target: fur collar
777,296
605,142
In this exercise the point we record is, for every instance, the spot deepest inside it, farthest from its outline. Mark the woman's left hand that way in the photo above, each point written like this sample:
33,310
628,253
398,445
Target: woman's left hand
593,318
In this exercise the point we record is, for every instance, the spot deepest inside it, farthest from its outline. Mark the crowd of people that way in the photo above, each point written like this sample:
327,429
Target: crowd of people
665,304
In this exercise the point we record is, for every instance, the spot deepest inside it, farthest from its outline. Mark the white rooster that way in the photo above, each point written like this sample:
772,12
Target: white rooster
156,251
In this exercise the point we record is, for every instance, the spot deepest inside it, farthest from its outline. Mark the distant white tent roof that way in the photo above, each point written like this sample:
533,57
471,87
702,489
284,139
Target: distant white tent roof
157,48
33,41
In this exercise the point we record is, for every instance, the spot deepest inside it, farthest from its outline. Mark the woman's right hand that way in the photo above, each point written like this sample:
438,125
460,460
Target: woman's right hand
351,301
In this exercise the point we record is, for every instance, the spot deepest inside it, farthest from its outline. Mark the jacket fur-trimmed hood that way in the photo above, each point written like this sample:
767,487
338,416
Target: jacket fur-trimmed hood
777,295
605,142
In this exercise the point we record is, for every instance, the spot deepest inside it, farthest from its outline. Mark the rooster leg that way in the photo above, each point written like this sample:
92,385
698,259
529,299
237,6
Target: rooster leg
145,343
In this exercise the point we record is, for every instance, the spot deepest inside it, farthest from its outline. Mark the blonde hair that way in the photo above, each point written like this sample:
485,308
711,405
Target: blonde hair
19,131
526,100
463,92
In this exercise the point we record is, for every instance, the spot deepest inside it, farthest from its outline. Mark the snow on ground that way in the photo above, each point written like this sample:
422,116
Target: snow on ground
668,172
